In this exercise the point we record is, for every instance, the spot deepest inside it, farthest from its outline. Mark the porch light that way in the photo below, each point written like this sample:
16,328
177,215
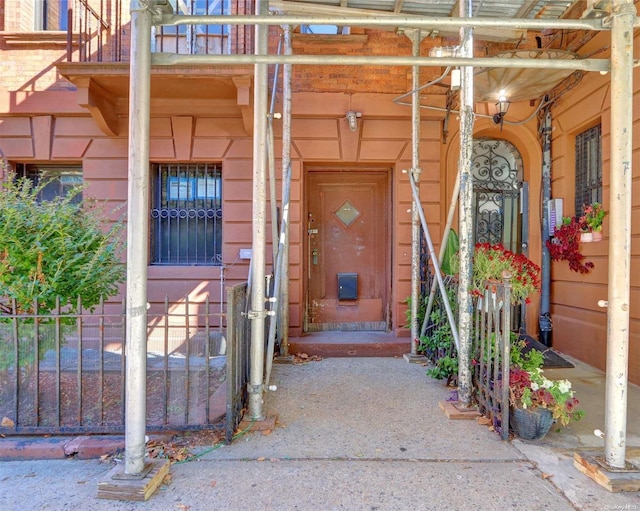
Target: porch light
501,108
352,119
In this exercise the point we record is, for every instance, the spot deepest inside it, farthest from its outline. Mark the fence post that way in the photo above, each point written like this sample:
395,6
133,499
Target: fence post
506,353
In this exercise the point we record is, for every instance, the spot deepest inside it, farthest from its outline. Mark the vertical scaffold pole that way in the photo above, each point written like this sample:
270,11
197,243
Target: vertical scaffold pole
137,238
620,232
257,314
415,217
466,213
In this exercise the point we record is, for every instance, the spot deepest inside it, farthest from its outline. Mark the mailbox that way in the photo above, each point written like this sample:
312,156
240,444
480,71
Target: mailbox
347,286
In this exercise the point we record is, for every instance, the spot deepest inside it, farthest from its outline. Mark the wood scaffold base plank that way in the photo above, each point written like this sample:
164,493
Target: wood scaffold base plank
118,486
455,411
593,466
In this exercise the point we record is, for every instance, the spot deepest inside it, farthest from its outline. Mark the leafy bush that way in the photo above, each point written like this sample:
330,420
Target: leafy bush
51,249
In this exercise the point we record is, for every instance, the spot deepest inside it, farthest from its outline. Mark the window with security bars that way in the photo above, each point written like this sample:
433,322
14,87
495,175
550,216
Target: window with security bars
57,180
186,214
588,168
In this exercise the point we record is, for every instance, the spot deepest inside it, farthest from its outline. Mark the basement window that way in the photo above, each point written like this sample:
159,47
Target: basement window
186,214
59,179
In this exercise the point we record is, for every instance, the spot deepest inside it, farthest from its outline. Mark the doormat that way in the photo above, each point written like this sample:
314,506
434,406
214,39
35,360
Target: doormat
551,358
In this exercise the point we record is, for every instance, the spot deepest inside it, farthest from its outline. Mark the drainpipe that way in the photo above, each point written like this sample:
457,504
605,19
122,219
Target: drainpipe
258,313
545,286
415,217
620,232
466,213
137,237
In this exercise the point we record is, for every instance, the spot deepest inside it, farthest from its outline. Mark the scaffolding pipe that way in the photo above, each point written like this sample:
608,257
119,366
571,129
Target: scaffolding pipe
386,20
173,59
415,216
287,80
545,285
275,229
272,161
620,232
137,238
436,265
258,313
465,310
443,247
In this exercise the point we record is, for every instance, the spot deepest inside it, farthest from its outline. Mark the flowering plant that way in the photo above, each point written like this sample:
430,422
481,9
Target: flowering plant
565,245
489,261
531,390
593,216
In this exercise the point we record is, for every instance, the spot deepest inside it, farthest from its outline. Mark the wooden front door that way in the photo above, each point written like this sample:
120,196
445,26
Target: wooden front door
347,250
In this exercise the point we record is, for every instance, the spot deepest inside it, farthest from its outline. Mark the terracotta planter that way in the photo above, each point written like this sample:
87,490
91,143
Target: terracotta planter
530,424
597,235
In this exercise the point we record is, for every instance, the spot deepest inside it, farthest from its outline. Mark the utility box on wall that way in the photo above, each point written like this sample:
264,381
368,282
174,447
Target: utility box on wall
347,286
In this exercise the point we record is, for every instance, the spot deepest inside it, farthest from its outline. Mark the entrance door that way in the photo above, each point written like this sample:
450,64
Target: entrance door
347,250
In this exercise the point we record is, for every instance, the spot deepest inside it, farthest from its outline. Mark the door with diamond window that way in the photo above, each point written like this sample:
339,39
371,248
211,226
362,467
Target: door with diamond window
347,250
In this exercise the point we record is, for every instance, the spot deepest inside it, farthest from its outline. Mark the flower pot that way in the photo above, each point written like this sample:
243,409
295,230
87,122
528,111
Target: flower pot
586,237
597,235
530,424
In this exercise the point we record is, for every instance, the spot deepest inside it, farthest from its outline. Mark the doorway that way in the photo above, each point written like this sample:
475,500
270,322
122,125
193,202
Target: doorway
347,249
500,202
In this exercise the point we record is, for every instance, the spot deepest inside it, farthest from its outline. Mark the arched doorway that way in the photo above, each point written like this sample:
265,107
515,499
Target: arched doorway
499,194
500,202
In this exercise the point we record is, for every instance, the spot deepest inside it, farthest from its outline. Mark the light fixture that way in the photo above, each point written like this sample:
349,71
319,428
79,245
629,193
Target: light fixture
501,109
352,119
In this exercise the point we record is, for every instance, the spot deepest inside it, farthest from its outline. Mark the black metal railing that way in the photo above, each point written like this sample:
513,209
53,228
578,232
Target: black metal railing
238,338
491,354
491,347
65,372
99,31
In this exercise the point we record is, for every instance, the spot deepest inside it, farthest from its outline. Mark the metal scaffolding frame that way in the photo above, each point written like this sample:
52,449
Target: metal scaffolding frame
148,13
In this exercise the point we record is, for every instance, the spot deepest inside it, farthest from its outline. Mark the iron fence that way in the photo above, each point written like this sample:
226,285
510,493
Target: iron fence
491,348
491,354
64,373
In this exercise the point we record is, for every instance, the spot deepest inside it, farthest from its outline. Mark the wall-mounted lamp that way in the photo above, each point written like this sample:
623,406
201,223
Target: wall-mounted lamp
352,119
501,109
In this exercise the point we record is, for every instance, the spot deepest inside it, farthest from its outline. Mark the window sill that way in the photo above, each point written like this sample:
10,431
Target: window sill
48,37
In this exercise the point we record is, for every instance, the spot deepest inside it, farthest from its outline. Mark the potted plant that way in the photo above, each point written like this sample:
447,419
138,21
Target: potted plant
592,219
565,245
537,402
489,263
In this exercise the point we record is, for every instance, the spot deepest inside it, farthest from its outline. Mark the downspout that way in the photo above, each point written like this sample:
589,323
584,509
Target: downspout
415,217
466,214
545,286
623,17
137,238
257,314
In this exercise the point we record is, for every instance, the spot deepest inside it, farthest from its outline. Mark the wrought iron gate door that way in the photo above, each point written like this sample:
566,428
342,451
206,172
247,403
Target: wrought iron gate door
497,184
499,201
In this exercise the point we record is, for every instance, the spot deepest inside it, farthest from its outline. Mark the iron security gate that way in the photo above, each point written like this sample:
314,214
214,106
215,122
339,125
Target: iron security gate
497,181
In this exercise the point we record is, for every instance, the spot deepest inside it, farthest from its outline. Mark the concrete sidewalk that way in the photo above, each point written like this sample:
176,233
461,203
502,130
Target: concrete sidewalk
358,434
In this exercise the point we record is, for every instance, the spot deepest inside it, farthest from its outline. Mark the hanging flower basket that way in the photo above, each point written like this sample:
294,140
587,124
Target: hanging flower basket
531,424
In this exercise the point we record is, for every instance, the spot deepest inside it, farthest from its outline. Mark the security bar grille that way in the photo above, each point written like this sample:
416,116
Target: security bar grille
186,216
588,168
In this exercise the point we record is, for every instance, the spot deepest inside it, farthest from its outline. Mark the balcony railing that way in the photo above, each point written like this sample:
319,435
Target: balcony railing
99,31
